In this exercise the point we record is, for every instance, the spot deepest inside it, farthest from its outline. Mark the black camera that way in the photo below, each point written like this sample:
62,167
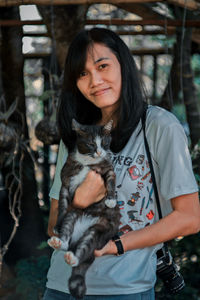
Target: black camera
167,270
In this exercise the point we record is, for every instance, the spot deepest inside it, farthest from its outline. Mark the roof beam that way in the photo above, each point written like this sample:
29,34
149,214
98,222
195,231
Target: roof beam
164,23
142,10
169,31
138,52
191,4
173,23
68,2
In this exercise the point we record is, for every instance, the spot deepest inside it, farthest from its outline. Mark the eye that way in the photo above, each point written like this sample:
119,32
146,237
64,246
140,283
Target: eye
90,144
82,74
103,66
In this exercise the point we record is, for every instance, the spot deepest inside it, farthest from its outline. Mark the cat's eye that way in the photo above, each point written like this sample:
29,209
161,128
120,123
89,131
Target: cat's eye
91,144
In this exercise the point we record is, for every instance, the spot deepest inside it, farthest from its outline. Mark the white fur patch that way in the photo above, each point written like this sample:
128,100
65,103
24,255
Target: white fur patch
101,153
110,203
77,179
81,225
71,259
84,159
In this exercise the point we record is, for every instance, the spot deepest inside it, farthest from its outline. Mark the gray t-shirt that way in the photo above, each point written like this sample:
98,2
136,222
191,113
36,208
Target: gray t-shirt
135,271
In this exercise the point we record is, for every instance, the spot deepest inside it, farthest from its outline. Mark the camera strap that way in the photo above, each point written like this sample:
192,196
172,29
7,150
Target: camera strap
151,169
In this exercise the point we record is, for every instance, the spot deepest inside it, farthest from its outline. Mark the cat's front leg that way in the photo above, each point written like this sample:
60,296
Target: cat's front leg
110,185
57,244
62,208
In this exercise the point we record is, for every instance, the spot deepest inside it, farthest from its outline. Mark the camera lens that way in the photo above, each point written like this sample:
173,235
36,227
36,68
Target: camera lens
172,279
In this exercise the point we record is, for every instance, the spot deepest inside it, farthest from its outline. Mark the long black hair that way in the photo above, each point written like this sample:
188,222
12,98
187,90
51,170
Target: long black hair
74,105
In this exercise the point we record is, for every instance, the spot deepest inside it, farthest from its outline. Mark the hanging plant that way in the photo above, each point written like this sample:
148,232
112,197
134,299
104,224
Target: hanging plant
8,135
47,131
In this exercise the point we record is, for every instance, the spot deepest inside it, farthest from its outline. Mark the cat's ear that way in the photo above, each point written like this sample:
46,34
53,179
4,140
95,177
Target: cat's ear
107,128
78,128
75,125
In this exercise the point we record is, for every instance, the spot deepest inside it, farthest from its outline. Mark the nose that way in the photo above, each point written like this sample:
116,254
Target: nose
96,79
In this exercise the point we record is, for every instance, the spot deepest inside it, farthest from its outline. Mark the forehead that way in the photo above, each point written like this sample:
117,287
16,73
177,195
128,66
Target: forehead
97,52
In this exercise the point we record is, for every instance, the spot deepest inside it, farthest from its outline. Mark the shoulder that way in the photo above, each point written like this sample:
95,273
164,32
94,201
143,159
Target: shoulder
62,152
159,117
62,146
160,122
164,131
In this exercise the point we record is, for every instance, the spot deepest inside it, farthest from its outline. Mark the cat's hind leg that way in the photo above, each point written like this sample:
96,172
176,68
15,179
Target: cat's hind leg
71,259
77,286
84,248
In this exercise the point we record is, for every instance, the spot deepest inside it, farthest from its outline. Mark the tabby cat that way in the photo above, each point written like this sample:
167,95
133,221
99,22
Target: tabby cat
81,231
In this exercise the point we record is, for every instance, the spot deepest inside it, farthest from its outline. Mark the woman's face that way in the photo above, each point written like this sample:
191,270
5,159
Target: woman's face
100,82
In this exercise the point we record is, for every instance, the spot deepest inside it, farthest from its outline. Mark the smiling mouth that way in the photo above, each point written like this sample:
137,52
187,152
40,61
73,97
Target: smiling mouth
100,92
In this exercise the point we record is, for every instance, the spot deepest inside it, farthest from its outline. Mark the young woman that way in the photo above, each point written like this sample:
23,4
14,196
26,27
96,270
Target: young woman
101,82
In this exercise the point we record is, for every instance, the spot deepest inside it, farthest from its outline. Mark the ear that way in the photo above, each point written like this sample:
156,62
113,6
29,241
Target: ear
107,128
78,128
75,125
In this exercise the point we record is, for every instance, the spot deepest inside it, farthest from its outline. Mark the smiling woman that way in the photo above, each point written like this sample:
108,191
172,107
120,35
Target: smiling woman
101,82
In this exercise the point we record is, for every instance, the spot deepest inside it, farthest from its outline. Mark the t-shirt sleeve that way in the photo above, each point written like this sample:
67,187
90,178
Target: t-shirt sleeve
62,156
171,154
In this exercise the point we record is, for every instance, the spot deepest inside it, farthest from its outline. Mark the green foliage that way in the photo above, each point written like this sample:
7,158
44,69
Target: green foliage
31,277
179,111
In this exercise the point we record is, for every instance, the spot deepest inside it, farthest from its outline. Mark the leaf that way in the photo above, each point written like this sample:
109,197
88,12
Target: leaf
42,246
46,95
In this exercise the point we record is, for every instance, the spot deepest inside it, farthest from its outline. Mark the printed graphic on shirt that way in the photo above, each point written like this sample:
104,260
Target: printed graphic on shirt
134,191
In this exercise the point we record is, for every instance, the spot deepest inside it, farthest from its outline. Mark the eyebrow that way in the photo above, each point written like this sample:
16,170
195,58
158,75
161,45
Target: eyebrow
100,59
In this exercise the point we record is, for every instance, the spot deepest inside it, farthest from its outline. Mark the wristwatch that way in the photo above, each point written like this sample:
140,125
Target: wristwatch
118,243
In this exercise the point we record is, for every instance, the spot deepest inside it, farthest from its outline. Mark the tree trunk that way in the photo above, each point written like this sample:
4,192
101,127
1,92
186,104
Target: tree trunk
171,92
63,23
188,88
31,231
181,80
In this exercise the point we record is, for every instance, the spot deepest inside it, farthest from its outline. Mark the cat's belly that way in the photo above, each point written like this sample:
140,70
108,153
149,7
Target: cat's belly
81,225
78,179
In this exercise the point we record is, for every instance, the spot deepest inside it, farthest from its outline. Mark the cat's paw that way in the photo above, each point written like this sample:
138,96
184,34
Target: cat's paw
57,243
54,242
71,259
111,203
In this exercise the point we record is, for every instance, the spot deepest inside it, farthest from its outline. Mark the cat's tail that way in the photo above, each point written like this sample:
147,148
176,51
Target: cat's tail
77,286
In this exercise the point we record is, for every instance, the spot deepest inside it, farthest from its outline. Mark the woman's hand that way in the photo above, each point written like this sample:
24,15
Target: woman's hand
90,191
109,248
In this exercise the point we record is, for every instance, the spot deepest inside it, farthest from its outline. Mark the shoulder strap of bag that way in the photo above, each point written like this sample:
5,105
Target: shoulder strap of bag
151,165
152,175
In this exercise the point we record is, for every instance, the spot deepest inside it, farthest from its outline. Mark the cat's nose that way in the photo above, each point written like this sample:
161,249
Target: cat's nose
98,153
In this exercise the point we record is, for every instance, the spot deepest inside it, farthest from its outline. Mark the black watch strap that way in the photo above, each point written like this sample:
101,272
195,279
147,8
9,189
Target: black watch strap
118,243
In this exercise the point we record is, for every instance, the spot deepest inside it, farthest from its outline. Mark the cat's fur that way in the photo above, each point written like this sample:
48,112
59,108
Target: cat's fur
81,231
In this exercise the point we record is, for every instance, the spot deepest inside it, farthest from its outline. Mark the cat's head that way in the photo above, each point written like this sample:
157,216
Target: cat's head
93,140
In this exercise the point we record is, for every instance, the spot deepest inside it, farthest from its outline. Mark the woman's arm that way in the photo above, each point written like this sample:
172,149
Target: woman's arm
184,220
53,214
